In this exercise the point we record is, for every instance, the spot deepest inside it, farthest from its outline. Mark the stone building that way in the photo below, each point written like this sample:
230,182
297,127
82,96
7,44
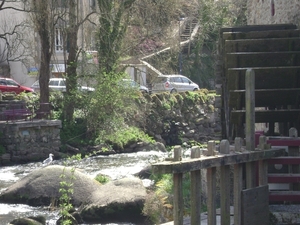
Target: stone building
273,12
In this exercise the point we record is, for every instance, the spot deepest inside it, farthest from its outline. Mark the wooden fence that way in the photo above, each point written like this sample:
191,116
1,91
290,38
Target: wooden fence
244,187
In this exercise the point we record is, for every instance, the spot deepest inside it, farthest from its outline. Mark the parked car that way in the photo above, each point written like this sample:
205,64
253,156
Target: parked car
59,84
134,84
173,84
10,85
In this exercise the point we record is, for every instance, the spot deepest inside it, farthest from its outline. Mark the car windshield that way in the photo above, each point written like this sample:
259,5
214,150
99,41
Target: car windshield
54,83
11,83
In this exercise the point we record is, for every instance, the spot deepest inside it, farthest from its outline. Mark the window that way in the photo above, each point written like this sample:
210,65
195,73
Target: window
58,40
185,80
177,80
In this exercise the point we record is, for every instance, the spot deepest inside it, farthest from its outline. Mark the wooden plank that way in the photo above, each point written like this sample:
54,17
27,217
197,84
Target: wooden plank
238,187
255,206
262,172
178,191
225,185
234,35
215,161
265,116
195,190
265,77
283,196
262,45
287,160
263,27
281,141
211,196
284,178
237,184
262,59
265,97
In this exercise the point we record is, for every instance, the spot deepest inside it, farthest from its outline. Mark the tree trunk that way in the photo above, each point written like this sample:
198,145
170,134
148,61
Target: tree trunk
71,81
43,26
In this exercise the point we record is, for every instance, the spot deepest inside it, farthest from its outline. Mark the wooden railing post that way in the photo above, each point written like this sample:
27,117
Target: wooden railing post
238,185
263,164
211,187
178,195
225,186
195,190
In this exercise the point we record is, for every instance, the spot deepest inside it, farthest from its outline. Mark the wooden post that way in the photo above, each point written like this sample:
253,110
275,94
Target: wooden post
225,186
263,164
238,186
250,124
195,190
211,187
178,195
250,109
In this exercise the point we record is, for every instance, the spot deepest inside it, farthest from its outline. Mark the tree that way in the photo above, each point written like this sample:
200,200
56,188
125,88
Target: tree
13,32
44,21
113,21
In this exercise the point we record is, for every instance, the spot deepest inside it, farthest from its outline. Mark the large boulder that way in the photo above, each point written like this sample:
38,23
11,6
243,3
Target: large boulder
117,201
120,200
42,187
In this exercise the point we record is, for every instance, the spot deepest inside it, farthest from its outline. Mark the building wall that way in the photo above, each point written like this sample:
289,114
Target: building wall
273,12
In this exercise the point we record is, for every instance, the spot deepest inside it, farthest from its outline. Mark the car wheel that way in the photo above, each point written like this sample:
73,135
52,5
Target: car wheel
196,89
173,91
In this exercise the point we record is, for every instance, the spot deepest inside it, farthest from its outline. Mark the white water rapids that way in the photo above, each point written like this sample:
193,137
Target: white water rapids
115,166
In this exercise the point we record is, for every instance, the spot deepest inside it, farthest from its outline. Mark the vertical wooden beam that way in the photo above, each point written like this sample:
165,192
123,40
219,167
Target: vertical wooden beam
178,194
225,186
262,164
195,190
211,187
250,124
250,175
238,186
250,109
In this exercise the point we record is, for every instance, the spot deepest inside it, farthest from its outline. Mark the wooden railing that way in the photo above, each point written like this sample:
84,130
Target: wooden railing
13,111
239,158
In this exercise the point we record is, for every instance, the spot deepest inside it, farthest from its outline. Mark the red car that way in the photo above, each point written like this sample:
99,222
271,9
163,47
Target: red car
9,85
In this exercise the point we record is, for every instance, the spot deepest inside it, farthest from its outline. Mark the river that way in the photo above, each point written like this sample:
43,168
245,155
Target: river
115,166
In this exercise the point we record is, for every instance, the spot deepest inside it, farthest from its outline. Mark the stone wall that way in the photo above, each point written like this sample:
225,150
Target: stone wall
273,12
26,141
174,119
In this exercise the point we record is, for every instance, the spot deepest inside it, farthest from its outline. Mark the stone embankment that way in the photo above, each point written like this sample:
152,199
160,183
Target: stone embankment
171,119
174,119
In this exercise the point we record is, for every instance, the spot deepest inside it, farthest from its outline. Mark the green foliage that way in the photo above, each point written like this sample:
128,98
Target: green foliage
161,200
110,104
125,136
66,190
102,179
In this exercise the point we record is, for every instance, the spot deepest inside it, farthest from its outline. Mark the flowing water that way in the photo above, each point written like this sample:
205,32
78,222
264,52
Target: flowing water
115,166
